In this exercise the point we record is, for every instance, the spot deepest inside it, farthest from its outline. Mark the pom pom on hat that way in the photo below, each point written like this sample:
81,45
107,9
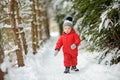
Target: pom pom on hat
68,22
69,18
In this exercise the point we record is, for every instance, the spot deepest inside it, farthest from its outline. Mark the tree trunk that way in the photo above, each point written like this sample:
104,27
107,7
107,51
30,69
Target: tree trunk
21,30
47,19
16,33
1,57
33,39
47,24
45,30
38,4
34,27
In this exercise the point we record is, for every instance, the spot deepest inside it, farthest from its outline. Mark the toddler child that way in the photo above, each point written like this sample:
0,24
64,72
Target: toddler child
69,41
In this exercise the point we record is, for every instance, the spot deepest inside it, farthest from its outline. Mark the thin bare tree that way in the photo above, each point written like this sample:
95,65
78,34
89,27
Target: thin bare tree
1,57
39,22
45,20
22,33
16,33
34,28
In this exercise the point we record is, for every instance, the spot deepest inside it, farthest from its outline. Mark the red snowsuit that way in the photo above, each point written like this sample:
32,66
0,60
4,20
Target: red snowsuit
66,40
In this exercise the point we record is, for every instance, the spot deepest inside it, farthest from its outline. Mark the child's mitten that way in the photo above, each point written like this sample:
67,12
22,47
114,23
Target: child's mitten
56,52
73,46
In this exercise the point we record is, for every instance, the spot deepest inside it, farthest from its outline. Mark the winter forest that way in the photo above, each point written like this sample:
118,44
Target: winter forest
29,30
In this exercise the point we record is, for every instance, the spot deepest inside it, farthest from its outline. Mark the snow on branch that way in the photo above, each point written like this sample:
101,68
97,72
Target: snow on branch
105,21
103,17
12,50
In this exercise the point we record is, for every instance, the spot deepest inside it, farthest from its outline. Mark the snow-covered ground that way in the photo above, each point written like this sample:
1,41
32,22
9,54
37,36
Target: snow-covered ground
45,66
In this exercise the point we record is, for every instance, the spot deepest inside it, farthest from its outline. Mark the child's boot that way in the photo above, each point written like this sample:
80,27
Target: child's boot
67,70
74,68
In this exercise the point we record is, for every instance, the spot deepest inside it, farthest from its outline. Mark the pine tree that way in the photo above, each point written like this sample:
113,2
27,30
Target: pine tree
101,33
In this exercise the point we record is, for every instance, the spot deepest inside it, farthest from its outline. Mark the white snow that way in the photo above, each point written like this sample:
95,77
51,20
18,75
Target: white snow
104,20
116,5
45,66
103,17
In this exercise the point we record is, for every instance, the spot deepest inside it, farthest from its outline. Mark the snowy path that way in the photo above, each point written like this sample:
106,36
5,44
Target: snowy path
44,66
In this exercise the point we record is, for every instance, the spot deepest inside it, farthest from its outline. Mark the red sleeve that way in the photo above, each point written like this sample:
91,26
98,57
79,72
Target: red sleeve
77,39
59,44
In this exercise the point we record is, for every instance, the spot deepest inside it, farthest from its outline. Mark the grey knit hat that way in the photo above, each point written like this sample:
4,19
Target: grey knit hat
68,23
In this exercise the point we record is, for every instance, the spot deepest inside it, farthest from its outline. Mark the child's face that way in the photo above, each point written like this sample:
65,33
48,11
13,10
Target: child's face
67,29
